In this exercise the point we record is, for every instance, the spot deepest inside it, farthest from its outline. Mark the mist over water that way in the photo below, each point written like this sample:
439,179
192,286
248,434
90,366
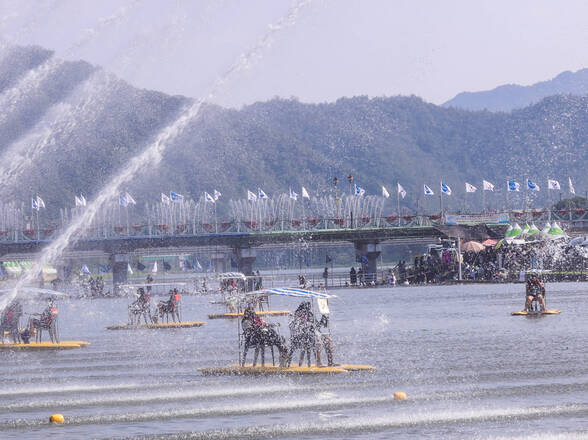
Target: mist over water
152,154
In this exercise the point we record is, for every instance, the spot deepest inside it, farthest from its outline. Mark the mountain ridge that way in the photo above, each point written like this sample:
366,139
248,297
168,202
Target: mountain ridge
509,97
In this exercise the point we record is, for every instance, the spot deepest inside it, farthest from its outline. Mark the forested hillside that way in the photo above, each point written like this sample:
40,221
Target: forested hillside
74,142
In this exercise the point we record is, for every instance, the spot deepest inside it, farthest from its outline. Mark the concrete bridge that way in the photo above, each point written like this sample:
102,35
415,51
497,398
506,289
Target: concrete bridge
241,246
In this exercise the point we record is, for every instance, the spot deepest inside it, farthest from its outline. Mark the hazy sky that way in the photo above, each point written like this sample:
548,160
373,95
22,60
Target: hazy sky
433,49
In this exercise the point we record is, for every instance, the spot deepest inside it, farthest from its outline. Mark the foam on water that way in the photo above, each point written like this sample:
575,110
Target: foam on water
363,424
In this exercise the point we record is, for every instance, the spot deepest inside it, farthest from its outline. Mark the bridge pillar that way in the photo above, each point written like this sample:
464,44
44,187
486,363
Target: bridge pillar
119,264
219,262
244,257
368,254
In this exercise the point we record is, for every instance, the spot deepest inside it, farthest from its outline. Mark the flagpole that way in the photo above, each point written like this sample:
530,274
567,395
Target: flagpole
398,202
38,226
506,196
441,198
526,197
215,219
483,199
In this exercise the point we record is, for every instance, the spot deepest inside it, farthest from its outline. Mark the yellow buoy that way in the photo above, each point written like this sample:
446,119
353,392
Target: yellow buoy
57,418
399,395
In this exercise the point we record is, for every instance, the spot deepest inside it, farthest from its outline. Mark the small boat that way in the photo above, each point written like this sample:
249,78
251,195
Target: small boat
32,346
250,370
537,312
235,315
160,325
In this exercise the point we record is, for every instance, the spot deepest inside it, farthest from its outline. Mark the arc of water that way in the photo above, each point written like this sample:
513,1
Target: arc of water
152,154
65,117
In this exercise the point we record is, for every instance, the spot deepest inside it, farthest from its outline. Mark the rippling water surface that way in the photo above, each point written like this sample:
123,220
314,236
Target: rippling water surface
470,370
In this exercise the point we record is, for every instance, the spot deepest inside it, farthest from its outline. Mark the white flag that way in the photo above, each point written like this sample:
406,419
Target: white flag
208,197
488,186
385,192
305,193
41,203
129,199
470,188
572,190
428,191
217,194
553,184
165,199
154,270
293,195
129,268
34,204
251,196
401,191
261,194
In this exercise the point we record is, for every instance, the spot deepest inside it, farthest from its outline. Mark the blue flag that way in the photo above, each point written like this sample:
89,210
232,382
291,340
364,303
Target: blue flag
428,191
445,189
103,269
122,200
34,204
532,185
175,197
511,185
358,191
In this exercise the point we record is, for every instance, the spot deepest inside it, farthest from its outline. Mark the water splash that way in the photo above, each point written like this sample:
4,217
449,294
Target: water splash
61,120
153,154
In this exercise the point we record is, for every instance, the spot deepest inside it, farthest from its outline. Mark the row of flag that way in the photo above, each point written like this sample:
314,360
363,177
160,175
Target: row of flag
511,185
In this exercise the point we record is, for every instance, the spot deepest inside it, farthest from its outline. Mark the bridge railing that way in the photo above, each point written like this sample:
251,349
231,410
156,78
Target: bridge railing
566,218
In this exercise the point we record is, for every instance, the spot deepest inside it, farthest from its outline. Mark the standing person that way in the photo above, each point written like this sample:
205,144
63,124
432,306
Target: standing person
326,276
353,276
360,276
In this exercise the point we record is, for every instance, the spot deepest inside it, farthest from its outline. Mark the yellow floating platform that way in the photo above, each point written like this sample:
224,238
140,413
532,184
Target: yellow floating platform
250,370
545,312
63,345
233,315
185,324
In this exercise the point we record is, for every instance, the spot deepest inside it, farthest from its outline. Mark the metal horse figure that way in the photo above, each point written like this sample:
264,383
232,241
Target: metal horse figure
170,307
9,321
259,335
302,334
140,307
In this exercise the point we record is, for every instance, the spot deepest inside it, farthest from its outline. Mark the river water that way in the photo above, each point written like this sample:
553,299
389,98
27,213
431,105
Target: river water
469,369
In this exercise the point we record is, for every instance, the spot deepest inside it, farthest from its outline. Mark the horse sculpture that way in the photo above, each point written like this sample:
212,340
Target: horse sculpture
302,334
170,307
140,308
9,322
259,335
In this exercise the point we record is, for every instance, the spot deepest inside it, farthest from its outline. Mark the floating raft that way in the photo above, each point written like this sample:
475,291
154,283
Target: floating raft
250,370
234,315
185,324
545,312
63,345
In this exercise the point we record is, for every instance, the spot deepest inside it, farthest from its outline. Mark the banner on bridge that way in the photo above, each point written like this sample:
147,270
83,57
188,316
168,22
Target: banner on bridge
477,219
